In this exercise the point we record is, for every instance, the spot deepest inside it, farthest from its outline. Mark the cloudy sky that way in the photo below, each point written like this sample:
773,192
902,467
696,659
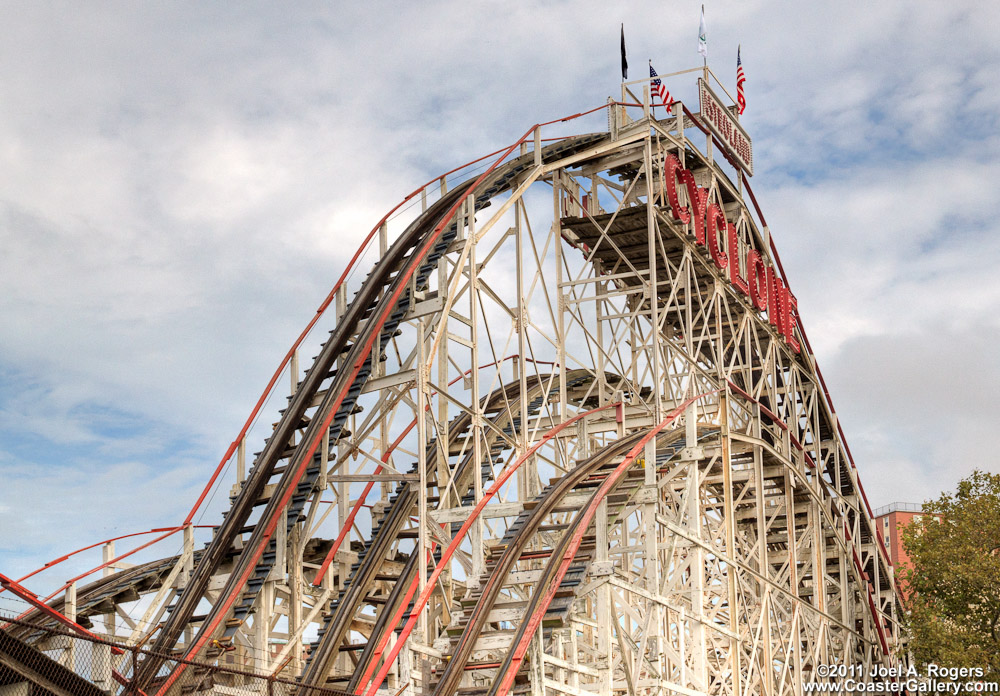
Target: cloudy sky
180,185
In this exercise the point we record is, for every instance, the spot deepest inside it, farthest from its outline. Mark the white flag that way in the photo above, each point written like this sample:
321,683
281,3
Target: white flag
702,35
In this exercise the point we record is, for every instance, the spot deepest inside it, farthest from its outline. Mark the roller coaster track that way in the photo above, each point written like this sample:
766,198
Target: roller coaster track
100,596
715,544
525,538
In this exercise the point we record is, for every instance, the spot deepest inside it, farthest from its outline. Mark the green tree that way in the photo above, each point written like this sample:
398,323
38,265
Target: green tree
954,602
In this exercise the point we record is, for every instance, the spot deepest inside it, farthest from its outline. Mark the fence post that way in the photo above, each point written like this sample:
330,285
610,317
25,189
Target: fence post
134,650
69,604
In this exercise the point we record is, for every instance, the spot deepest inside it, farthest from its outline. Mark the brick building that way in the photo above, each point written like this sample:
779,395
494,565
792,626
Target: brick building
889,520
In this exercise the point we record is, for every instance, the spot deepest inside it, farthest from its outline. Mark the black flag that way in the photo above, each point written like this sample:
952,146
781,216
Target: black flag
624,62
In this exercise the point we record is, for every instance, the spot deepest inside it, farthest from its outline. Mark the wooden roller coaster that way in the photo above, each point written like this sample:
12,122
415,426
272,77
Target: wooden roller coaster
568,436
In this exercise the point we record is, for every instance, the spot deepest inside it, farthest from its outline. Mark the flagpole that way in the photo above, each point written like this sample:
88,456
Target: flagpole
738,63
624,73
652,102
704,56
703,50
624,59
703,42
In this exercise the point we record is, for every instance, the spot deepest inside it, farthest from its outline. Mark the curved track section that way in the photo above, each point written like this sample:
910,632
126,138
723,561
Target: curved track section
515,545
505,421
101,596
620,494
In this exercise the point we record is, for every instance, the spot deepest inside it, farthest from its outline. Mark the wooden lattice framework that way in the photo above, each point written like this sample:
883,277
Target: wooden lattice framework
573,312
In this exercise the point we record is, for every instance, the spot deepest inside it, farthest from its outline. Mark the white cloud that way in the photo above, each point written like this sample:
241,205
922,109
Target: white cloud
920,407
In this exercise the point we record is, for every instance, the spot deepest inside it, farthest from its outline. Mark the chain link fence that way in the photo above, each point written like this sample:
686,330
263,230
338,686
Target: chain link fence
38,658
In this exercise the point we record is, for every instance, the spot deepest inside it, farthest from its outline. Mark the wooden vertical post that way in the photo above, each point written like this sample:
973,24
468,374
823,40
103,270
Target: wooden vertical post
107,553
654,315
69,610
729,520
422,546
605,613
558,187
522,350
478,547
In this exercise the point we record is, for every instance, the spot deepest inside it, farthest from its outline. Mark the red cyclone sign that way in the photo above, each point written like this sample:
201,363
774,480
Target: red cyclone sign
761,285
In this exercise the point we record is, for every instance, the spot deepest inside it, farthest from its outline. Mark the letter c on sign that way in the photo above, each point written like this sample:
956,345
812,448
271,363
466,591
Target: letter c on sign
671,169
717,228
733,246
699,199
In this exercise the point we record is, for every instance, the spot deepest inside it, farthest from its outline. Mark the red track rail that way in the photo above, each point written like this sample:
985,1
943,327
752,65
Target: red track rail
56,561
116,559
33,599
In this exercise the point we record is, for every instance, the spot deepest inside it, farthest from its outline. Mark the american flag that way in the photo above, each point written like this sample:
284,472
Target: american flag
740,79
659,89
